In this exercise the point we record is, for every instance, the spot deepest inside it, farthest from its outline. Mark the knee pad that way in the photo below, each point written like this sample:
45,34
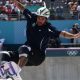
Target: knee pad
24,49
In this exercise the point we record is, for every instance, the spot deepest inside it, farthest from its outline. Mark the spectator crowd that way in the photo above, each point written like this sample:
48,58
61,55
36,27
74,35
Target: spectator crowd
60,9
8,10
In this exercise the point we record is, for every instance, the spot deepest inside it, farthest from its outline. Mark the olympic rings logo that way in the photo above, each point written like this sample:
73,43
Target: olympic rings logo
72,52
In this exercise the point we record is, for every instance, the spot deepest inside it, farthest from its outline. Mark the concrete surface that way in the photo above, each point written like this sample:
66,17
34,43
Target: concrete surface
54,68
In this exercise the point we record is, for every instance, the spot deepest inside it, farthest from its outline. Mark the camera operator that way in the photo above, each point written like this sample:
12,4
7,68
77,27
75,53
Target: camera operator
75,29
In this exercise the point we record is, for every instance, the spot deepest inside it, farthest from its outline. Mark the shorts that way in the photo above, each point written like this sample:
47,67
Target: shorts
35,58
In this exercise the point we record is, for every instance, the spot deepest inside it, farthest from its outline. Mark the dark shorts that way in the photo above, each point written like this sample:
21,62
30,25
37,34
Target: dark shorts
35,58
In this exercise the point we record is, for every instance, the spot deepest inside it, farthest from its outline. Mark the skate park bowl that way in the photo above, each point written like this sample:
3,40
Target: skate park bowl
60,64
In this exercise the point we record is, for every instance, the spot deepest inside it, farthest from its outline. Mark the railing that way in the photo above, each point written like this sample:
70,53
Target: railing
70,44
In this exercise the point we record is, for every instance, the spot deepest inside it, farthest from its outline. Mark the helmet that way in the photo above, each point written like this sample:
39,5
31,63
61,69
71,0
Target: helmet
43,11
76,25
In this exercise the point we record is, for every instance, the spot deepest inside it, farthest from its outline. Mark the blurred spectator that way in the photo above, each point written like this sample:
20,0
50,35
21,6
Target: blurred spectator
14,15
75,29
7,3
39,1
73,9
3,8
3,16
11,4
59,11
51,4
78,9
9,10
25,2
34,1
